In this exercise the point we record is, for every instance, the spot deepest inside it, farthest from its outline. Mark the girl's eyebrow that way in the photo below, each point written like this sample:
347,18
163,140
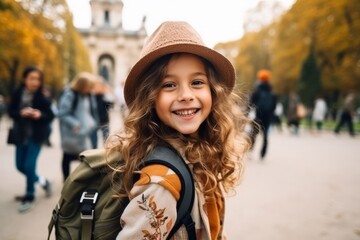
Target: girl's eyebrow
195,74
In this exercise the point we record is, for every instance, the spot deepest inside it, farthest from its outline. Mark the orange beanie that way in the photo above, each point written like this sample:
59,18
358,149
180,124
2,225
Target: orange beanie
263,75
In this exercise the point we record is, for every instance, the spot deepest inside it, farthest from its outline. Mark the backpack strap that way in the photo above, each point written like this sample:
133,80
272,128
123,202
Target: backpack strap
54,217
87,201
75,101
171,159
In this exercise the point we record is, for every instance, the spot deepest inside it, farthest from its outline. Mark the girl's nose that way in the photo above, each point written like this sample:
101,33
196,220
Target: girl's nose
185,94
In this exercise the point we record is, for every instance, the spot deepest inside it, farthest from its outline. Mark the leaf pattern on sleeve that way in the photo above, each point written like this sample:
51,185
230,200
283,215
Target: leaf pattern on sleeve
156,218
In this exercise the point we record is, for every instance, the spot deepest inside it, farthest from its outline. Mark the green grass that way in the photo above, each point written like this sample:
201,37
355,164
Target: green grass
330,125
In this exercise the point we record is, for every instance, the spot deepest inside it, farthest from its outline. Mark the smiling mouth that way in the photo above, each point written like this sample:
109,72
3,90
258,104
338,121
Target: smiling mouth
187,112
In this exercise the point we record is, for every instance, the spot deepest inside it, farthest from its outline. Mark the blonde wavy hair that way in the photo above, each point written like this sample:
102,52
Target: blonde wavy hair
216,153
82,82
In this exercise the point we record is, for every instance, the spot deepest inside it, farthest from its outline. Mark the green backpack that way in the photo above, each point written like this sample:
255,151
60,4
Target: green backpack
87,208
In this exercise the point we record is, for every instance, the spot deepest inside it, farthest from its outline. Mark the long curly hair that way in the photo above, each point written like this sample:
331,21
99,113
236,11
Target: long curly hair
216,152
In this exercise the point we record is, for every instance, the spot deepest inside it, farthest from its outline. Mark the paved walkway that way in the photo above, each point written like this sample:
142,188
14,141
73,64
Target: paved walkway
307,188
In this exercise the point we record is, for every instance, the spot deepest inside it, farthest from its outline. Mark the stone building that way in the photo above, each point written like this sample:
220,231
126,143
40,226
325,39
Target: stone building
113,50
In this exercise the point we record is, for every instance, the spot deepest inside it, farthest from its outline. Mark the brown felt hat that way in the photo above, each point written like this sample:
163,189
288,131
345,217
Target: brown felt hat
173,37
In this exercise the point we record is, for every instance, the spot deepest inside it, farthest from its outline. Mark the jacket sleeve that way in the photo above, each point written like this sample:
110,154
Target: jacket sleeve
47,115
151,212
65,109
14,106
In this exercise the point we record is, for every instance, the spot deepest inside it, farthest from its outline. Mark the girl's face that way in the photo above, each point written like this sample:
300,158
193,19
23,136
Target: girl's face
32,81
184,100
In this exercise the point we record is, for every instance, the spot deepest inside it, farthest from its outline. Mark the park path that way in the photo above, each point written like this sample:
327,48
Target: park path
307,188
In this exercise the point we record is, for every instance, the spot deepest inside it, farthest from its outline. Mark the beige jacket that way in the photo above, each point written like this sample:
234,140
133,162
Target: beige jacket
151,212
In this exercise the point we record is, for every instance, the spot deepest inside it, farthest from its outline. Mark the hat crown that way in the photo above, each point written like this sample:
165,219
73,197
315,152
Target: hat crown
171,33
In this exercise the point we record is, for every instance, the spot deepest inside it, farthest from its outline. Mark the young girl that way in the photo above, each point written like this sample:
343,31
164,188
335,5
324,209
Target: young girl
31,112
180,93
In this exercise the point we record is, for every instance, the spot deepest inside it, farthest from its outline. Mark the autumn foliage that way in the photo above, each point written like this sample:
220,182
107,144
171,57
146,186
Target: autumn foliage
327,30
46,38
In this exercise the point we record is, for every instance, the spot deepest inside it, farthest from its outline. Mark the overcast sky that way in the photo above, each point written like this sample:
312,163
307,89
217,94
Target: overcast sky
215,20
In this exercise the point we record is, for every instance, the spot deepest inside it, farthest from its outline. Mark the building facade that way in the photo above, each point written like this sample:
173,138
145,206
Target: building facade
113,50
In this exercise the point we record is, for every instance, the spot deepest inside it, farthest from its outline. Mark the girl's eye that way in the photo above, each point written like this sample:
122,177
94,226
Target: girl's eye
198,82
168,85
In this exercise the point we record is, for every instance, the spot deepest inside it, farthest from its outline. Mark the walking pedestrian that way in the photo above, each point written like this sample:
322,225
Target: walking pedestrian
264,102
78,118
319,113
347,113
31,112
278,116
293,113
47,93
180,94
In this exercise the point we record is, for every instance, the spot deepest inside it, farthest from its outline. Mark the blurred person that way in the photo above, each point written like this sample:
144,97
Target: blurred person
278,116
31,112
293,118
319,112
104,101
78,118
346,115
264,103
47,93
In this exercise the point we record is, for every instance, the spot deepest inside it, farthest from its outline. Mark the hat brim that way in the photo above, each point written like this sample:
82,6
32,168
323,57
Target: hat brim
222,65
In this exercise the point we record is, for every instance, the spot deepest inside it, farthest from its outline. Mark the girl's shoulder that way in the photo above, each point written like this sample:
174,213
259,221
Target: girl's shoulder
162,175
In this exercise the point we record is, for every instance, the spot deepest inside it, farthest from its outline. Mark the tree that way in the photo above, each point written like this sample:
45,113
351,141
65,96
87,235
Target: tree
332,28
40,33
309,85
21,44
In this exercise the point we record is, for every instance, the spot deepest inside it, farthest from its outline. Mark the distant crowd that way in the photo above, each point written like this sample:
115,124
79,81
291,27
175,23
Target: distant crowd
82,109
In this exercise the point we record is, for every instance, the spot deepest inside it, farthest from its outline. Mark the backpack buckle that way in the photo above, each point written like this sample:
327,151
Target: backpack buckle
87,216
89,196
88,200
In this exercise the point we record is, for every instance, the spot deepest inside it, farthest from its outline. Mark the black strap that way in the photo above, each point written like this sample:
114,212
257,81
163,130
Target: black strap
87,201
168,157
75,101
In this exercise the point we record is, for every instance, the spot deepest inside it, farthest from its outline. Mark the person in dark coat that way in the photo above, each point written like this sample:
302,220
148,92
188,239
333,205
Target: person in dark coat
346,116
31,112
264,102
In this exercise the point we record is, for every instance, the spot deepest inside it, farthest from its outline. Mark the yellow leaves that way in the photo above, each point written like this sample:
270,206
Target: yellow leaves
330,27
30,38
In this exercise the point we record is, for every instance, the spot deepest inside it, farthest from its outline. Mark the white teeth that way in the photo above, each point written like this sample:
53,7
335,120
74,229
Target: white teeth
185,112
